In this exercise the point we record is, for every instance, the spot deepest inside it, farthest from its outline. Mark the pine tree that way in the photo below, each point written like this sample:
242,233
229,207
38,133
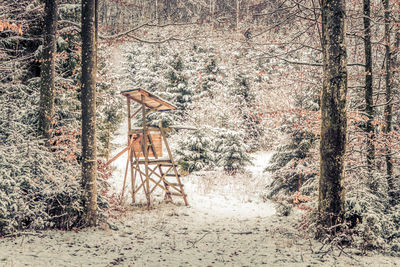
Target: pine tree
182,95
245,102
231,151
195,151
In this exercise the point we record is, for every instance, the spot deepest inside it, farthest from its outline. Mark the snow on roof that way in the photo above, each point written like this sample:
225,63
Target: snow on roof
150,100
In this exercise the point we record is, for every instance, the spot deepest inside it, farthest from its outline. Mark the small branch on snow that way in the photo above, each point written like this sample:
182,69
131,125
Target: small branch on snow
21,234
194,242
155,42
243,233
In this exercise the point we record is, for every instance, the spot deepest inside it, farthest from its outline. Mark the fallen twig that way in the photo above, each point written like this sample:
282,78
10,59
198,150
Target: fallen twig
194,242
242,233
20,234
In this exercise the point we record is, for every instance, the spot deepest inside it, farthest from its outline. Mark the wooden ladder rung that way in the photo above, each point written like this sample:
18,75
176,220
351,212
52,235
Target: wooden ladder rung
174,184
172,175
178,194
167,165
161,162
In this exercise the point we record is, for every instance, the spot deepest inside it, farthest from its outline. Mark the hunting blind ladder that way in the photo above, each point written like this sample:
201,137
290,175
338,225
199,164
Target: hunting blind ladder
145,151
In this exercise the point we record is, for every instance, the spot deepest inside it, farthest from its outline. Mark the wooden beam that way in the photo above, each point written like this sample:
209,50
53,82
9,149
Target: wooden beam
120,153
136,112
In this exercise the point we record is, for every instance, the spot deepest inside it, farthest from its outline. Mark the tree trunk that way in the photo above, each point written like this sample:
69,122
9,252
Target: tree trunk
333,113
237,15
389,103
47,72
88,99
369,110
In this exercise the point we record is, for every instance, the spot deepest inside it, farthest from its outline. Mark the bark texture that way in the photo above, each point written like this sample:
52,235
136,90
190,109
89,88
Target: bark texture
88,101
389,102
333,113
369,110
47,71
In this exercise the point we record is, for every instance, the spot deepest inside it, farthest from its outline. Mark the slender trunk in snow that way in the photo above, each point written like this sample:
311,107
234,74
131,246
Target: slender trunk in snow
88,100
389,103
47,72
237,15
333,113
369,110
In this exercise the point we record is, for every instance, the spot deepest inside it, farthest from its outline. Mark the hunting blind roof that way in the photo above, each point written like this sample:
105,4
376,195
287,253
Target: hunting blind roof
150,100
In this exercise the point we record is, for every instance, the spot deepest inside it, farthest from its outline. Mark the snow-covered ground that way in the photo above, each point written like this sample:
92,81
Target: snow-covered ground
226,224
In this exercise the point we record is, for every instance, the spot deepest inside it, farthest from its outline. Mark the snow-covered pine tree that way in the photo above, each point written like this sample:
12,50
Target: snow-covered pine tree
178,84
231,151
195,151
294,164
244,98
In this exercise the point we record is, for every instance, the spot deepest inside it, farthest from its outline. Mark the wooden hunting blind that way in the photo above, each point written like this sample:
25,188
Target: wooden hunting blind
149,169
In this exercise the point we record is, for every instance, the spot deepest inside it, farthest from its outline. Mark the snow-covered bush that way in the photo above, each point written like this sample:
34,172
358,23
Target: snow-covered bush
40,186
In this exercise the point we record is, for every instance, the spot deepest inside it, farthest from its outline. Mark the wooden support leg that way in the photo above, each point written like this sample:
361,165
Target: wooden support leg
126,173
133,176
167,196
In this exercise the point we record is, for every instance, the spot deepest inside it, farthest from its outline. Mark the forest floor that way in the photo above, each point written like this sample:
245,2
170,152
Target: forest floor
227,223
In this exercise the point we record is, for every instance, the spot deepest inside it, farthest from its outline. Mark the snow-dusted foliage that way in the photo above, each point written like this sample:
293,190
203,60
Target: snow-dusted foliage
195,151
245,100
38,188
109,102
294,167
208,148
222,104
40,184
231,150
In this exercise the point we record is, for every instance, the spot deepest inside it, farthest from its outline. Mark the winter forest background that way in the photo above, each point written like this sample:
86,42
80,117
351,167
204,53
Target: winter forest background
246,73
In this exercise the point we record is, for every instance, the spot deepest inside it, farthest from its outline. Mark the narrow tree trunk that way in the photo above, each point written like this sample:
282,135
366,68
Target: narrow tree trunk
47,72
237,15
168,10
389,103
333,113
369,110
108,143
88,99
157,14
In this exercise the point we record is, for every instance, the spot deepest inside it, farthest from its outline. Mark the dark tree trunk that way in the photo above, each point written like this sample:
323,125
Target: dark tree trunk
389,102
369,110
333,113
88,99
47,72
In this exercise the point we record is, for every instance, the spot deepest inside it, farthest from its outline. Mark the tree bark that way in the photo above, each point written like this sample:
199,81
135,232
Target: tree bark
88,101
333,113
237,15
389,103
369,110
47,72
